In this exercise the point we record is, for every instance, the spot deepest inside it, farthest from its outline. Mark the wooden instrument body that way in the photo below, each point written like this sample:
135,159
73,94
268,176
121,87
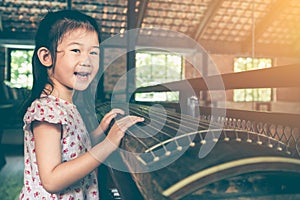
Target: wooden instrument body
242,163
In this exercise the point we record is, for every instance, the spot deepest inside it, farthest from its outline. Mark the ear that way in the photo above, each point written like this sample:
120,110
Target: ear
45,56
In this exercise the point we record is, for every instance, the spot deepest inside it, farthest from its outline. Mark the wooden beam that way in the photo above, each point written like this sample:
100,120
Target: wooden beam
142,11
209,15
274,77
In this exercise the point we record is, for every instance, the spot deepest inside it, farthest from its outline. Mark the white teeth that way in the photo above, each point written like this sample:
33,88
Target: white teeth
81,73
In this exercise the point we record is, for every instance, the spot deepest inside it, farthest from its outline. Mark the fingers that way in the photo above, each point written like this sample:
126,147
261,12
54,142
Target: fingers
117,111
128,121
104,124
113,113
117,131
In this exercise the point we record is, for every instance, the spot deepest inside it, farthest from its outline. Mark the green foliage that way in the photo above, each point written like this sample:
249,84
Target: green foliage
155,68
21,70
261,94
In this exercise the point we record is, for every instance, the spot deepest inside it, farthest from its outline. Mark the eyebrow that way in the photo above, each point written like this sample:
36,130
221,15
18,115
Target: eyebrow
76,43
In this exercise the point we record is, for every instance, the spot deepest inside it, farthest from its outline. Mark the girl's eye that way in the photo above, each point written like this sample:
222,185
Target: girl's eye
76,50
95,53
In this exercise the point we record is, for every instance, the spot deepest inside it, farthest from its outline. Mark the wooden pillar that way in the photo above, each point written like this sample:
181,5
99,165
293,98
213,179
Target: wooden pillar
205,74
69,4
131,42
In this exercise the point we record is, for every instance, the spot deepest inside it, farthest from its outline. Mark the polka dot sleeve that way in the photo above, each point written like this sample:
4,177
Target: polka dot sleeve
48,110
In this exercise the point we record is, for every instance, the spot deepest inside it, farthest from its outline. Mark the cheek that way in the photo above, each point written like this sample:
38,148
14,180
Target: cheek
96,66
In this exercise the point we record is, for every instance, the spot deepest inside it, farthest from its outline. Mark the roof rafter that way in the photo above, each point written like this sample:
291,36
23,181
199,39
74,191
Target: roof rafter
142,11
211,11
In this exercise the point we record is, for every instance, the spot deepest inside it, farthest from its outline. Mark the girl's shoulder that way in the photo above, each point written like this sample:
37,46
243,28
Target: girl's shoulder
50,109
51,103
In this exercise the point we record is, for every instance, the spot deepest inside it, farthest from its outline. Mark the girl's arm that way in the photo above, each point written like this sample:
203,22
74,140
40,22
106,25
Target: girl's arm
56,175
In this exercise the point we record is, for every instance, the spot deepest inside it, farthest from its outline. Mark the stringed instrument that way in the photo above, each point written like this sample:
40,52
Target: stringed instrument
176,156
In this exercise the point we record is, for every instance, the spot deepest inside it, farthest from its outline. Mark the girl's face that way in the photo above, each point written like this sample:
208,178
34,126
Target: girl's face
77,60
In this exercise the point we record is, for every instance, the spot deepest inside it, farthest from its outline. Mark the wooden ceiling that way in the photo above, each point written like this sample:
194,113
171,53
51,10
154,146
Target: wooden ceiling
240,27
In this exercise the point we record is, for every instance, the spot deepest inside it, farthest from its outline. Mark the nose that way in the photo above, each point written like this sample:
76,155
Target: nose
85,62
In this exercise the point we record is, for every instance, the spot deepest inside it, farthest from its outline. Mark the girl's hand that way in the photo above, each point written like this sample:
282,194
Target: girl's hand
104,124
119,128
103,149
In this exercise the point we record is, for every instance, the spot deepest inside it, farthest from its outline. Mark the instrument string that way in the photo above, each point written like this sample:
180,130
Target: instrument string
186,118
187,124
167,152
178,127
191,122
173,120
170,121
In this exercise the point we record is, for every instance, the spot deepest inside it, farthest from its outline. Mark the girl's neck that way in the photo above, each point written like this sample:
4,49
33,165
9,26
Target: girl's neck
65,94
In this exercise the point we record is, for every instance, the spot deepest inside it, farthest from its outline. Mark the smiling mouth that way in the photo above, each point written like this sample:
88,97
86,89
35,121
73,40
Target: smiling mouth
82,74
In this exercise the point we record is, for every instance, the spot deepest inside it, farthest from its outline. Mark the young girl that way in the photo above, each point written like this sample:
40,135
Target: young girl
59,159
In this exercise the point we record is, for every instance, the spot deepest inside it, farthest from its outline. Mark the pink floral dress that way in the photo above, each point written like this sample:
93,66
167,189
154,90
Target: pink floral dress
75,141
